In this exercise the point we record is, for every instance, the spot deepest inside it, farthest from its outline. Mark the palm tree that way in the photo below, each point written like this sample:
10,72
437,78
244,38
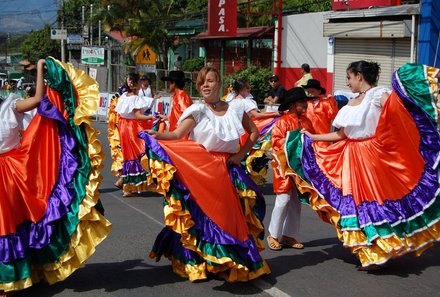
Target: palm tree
148,21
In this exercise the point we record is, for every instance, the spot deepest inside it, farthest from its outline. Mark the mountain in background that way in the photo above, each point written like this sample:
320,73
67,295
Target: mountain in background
22,16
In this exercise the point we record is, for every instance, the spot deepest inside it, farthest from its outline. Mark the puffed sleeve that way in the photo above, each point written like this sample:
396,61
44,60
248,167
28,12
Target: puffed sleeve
377,95
194,110
238,107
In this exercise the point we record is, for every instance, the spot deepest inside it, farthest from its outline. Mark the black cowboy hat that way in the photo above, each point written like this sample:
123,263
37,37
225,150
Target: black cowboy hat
293,95
176,76
314,84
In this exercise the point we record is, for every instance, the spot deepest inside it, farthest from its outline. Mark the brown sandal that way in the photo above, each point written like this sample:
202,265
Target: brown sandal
273,244
129,194
291,242
119,183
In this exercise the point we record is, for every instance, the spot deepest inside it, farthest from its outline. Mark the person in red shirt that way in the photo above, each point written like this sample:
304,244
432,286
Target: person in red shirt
180,101
322,110
286,214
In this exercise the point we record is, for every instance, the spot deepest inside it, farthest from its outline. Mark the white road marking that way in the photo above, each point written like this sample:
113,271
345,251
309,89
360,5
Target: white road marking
268,288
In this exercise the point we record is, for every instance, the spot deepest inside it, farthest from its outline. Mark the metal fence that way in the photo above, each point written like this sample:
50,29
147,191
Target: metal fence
111,78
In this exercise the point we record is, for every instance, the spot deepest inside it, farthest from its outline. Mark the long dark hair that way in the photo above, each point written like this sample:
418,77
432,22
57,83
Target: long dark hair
239,84
369,70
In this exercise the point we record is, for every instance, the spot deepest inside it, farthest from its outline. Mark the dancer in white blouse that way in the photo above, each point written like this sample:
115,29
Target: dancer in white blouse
213,210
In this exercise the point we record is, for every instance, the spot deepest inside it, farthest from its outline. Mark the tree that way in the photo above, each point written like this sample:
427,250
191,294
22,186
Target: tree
72,14
149,21
38,44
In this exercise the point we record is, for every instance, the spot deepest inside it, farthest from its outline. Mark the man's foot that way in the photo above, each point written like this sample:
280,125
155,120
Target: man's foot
273,244
291,242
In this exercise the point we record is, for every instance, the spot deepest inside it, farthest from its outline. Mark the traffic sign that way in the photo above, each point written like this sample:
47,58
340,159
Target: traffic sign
58,34
146,55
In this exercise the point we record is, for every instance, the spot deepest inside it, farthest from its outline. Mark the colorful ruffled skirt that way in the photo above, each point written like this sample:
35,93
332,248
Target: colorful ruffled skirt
213,212
113,137
135,177
257,160
382,193
51,219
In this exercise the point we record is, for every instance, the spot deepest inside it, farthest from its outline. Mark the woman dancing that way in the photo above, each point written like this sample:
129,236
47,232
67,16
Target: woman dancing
213,210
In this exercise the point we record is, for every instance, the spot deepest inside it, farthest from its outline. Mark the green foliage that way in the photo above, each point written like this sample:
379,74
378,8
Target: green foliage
304,6
148,20
197,6
262,12
194,64
38,45
258,80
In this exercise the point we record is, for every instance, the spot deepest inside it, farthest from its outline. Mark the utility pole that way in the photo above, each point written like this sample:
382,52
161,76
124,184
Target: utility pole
6,49
63,54
91,24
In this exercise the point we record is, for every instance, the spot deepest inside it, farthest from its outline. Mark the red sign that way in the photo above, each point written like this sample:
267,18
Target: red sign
356,4
222,17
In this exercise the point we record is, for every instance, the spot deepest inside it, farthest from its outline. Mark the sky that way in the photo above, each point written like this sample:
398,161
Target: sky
21,16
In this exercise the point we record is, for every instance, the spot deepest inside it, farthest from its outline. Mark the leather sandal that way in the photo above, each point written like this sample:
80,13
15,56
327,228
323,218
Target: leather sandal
273,244
291,242
129,194
119,183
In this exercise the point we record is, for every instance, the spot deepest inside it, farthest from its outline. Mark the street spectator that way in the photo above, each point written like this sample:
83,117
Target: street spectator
305,72
178,63
20,83
146,89
276,93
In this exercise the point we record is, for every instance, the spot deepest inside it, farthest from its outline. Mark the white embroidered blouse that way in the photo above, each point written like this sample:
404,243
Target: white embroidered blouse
360,121
217,133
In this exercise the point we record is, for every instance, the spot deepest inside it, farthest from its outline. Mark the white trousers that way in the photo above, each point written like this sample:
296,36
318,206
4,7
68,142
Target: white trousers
286,215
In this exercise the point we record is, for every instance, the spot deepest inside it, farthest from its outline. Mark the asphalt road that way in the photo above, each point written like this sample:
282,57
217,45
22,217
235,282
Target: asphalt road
121,267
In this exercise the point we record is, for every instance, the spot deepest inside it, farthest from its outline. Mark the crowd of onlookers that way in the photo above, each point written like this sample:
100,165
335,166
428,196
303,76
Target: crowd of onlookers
14,84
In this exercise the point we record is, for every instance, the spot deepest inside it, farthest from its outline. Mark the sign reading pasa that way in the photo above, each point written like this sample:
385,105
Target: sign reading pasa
222,17
92,55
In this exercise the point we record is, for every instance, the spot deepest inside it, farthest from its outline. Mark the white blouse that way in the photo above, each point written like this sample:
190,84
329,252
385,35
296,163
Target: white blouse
146,93
360,121
126,105
249,105
217,133
10,124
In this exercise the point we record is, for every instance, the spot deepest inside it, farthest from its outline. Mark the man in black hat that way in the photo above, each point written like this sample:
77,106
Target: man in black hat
322,110
286,214
276,93
180,101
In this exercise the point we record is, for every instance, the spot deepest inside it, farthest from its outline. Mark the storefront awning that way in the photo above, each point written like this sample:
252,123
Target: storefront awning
242,33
